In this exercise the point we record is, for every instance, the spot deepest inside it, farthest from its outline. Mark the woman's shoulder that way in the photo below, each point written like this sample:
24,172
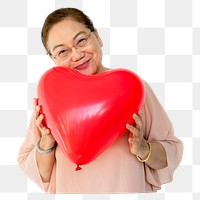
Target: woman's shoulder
150,97
147,88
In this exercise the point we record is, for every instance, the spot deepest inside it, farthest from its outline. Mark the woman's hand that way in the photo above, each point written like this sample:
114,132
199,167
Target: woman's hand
138,145
45,162
47,140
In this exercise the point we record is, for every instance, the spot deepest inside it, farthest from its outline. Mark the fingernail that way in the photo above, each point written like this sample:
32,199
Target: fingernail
128,126
134,115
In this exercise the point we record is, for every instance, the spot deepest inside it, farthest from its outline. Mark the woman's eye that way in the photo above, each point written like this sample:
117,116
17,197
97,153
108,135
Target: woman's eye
64,51
82,42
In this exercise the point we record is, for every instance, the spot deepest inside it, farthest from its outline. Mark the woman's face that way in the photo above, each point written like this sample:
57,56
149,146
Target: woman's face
66,43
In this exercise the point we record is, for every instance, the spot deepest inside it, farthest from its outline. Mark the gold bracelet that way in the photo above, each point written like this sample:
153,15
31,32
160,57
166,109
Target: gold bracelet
147,158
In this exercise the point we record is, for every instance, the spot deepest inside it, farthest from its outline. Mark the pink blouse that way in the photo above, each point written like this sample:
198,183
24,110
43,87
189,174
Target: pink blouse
116,170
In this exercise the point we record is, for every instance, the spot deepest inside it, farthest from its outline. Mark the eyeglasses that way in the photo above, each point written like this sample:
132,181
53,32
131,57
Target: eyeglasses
64,53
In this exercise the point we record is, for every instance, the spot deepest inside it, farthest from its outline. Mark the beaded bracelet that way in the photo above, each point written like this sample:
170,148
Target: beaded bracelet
45,151
147,158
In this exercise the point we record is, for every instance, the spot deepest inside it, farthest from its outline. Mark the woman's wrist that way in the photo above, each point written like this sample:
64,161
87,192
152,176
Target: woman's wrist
144,150
46,144
45,151
145,156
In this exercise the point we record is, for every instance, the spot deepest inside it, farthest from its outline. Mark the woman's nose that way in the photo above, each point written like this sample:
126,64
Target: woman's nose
77,54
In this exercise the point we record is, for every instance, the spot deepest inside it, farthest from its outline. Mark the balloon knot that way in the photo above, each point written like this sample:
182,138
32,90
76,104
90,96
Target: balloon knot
78,168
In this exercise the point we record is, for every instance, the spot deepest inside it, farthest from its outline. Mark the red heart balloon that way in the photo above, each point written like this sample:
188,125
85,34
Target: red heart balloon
85,113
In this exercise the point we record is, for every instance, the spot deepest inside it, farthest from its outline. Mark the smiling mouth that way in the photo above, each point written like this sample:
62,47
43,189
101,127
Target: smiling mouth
82,66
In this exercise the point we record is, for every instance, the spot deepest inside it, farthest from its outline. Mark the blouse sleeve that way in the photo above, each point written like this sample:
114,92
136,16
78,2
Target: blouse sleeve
159,128
27,157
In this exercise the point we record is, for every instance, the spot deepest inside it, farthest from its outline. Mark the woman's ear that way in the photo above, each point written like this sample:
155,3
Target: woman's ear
98,38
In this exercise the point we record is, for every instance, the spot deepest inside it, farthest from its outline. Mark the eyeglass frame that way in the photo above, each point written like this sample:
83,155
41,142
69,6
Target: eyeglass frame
70,48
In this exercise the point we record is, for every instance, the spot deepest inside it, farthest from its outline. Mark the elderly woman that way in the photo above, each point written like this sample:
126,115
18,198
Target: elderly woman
143,159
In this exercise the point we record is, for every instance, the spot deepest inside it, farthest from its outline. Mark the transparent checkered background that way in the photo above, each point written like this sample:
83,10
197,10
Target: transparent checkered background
158,39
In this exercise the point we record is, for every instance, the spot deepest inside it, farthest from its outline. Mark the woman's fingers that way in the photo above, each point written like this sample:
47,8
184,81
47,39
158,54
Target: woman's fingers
138,121
36,107
35,103
133,130
39,120
39,123
137,128
140,113
37,112
45,130
135,138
